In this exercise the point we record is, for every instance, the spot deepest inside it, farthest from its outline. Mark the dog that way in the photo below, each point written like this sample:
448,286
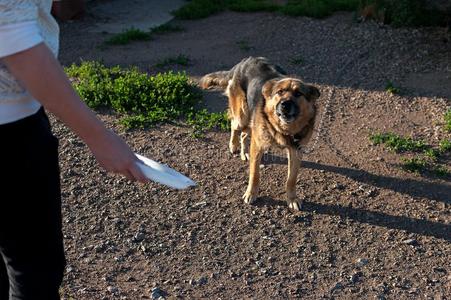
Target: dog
274,109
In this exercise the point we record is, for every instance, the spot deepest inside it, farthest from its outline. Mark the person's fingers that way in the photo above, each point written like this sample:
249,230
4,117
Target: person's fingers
137,173
128,174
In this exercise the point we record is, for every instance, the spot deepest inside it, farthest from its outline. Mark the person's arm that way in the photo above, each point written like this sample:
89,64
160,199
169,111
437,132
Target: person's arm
42,75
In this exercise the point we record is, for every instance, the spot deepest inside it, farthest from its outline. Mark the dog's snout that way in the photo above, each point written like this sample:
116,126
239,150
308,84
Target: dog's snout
286,105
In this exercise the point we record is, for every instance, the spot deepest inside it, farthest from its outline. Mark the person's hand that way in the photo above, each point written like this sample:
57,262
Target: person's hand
114,155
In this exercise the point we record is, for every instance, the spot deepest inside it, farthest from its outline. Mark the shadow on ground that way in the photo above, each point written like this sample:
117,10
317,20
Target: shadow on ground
411,225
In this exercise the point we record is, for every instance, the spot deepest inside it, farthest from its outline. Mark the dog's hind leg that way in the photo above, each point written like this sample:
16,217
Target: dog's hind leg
234,136
294,163
237,113
244,148
255,157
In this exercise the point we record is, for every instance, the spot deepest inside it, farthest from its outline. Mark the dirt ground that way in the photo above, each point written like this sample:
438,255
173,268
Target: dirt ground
369,230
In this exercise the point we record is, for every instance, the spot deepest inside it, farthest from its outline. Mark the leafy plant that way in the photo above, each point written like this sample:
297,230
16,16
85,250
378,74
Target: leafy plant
298,60
396,12
244,45
448,121
428,158
390,88
398,143
141,100
165,28
180,59
203,120
445,146
198,9
128,36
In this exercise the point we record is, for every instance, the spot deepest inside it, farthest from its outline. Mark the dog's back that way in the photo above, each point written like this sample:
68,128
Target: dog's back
251,73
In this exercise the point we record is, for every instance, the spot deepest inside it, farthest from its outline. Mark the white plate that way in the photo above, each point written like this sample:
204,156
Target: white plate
163,174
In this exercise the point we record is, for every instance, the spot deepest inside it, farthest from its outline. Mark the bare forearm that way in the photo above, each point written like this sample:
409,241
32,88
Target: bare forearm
42,75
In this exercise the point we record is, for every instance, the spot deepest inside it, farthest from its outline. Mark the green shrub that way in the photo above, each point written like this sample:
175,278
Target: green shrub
251,5
165,28
398,143
181,60
142,100
448,121
128,36
396,12
198,9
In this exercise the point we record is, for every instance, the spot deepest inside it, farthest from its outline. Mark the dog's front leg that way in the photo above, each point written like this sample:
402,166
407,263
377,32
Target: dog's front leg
256,153
294,163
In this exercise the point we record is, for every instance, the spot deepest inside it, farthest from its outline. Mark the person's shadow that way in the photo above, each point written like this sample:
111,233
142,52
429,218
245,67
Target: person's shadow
415,188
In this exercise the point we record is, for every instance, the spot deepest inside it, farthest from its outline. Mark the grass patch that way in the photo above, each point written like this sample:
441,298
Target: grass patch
298,60
428,159
398,143
448,121
421,165
244,45
390,88
141,100
128,36
415,164
395,12
198,9
181,60
251,5
445,146
166,28
203,120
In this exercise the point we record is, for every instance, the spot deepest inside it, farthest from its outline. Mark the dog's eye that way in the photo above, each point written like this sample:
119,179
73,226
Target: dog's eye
297,94
280,92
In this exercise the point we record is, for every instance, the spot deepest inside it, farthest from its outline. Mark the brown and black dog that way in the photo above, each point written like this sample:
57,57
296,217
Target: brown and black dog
274,109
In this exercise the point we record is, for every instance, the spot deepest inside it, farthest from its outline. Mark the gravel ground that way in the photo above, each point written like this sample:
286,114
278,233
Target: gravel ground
369,230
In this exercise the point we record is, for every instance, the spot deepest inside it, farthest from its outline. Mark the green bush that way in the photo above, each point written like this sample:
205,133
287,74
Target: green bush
197,9
396,12
398,143
128,36
143,100
448,121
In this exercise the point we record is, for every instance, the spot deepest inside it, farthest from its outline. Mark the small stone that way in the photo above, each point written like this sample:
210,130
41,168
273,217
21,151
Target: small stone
356,277
139,236
362,262
202,281
411,242
112,289
157,293
337,286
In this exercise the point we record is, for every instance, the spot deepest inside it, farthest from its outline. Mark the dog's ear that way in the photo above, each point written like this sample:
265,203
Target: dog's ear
267,88
311,92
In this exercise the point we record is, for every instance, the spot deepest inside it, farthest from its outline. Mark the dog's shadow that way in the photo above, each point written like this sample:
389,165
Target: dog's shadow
412,225
416,188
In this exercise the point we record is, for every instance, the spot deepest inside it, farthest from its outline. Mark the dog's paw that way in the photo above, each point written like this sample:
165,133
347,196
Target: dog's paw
249,197
233,148
295,204
244,156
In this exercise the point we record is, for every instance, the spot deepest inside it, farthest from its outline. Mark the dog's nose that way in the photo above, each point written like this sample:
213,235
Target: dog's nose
286,105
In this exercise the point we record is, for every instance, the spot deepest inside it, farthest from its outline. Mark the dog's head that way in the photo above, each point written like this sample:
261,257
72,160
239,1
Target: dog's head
289,102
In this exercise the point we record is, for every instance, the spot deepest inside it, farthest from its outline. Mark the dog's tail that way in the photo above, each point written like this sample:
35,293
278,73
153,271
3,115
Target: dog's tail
218,79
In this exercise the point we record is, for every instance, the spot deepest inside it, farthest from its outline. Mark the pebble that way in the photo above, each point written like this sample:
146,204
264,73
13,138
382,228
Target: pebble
112,289
337,286
411,242
356,277
157,293
362,262
139,236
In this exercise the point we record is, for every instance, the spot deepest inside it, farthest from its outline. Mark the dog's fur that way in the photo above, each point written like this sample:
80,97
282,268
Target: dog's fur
274,109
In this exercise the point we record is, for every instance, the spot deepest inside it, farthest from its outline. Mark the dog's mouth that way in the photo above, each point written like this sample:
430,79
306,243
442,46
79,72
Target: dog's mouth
287,111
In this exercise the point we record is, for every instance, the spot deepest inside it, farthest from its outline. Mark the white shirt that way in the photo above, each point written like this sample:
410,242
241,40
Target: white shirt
23,24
